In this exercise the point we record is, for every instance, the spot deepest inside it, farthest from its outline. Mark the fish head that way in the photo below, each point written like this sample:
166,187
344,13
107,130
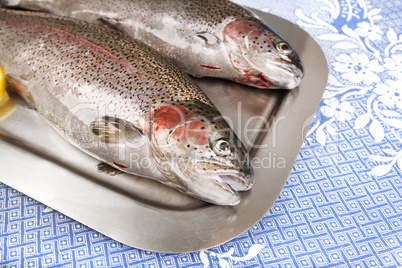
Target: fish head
261,57
199,153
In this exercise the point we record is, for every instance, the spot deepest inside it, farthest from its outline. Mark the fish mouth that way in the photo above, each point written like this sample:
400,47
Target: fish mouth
258,79
291,73
213,182
273,73
235,182
231,179
295,74
292,67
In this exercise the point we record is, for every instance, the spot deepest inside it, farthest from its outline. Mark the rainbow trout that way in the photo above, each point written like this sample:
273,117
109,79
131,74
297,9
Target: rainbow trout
212,38
123,103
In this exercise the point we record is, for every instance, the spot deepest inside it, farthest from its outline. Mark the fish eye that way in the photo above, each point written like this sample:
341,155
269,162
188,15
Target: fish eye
222,147
284,48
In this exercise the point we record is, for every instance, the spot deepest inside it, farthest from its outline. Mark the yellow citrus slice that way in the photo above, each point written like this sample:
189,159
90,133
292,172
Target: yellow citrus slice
2,84
6,106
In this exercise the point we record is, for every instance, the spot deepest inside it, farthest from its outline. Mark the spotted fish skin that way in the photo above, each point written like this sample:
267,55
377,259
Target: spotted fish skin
103,92
212,38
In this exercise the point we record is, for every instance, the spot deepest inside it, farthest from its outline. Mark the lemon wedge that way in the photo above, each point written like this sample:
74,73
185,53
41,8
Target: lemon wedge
6,106
2,84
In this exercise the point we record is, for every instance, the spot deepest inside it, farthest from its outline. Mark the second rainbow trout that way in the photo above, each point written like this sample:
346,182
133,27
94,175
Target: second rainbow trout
213,38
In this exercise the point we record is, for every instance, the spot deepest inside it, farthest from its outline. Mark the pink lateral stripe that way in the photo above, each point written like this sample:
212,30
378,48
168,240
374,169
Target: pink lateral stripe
210,67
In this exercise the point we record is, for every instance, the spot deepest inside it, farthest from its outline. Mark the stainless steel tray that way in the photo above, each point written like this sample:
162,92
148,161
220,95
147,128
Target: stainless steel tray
144,213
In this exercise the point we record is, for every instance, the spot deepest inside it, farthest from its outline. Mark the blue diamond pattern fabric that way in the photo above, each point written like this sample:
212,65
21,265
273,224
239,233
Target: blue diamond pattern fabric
342,203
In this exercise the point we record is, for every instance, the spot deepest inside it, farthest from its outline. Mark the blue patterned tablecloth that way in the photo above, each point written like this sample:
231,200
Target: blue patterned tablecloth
342,204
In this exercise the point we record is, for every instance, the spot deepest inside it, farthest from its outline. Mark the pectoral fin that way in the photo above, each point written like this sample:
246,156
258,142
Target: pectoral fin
16,87
108,169
209,38
115,130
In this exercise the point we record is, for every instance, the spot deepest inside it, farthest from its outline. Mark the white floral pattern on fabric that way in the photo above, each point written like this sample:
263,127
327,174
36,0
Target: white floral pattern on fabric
394,65
390,94
340,111
358,68
372,32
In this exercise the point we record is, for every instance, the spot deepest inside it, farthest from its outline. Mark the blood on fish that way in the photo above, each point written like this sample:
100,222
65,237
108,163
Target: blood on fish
119,165
210,67
255,79
262,78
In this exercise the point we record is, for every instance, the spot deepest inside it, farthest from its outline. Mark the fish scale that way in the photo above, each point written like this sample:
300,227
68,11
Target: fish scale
103,57
193,34
102,90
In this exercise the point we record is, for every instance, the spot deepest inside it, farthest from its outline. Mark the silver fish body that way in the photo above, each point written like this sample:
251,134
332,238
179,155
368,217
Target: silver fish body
212,38
123,103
